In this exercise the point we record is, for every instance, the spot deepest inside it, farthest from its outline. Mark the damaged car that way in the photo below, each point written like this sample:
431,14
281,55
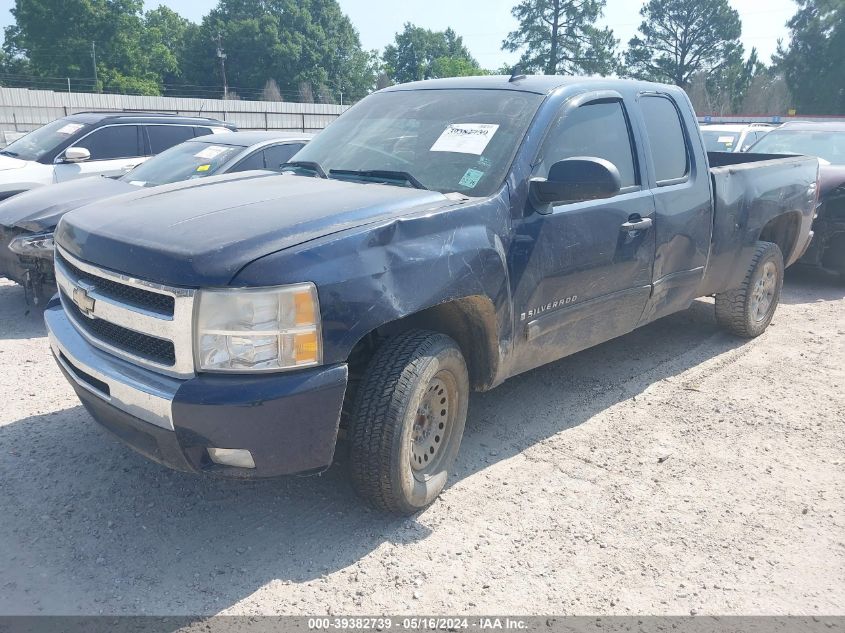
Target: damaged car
438,238
27,220
827,142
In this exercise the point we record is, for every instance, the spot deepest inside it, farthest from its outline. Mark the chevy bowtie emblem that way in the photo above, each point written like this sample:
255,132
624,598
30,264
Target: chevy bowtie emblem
83,301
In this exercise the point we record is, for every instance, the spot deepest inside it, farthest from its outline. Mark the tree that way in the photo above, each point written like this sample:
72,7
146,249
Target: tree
419,53
812,62
163,41
729,83
679,38
291,41
560,37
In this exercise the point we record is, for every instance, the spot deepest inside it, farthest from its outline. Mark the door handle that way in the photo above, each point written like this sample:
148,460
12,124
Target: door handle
637,223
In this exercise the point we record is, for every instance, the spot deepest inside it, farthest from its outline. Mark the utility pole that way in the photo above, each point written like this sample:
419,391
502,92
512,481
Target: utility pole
94,57
222,57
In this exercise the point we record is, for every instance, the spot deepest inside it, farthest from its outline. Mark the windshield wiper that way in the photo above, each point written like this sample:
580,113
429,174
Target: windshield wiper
381,175
306,164
6,152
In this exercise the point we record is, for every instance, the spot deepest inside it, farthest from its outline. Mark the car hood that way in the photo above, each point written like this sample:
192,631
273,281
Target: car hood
40,209
201,233
10,162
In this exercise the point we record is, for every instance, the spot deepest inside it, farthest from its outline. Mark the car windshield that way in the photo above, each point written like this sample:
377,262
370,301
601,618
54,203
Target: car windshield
829,146
44,140
446,140
715,141
192,159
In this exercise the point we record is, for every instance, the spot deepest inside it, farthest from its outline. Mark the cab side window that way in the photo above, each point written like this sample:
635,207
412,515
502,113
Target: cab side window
597,130
275,156
669,151
253,161
116,141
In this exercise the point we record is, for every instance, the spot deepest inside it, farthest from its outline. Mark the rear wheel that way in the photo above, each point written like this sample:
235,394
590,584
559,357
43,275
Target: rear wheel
408,420
748,310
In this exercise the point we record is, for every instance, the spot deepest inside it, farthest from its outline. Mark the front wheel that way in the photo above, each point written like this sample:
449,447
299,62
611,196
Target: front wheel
408,420
748,310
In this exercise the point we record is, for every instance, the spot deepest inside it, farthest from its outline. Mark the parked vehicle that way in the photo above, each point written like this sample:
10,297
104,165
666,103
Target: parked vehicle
94,144
733,137
28,220
827,142
439,237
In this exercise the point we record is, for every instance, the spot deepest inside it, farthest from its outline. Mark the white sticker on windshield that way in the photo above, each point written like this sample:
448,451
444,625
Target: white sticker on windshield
70,128
138,183
726,139
465,138
210,152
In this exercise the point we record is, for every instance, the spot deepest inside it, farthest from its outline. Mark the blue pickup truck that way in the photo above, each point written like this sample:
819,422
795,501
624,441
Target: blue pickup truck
438,238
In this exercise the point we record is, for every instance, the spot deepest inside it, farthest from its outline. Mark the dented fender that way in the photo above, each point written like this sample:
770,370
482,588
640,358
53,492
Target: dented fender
371,276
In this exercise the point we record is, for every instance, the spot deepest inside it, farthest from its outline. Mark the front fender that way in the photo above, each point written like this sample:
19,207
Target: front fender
370,276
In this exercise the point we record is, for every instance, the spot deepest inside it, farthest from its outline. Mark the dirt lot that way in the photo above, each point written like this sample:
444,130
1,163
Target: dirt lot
671,471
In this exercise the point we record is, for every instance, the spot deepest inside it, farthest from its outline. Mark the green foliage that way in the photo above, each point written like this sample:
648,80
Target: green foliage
419,53
455,67
559,37
812,62
291,41
679,38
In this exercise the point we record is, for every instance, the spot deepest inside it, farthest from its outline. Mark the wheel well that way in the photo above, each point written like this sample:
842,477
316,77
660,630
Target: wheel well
783,231
470,321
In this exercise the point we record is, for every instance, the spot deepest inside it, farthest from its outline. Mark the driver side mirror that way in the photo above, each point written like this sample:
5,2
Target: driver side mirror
76,155
576,180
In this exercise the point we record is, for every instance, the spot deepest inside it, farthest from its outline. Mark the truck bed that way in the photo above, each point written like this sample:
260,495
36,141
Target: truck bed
749,191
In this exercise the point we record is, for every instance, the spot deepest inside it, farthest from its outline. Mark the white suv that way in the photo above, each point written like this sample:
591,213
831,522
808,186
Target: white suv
94,144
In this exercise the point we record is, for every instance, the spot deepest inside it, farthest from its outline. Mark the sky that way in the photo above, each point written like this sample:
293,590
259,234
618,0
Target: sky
485,23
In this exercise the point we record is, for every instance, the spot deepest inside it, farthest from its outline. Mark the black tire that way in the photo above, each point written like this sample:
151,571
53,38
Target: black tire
393,423
748,310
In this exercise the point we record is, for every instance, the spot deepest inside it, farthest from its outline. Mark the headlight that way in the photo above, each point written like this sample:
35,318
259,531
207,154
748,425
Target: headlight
265,329
40,245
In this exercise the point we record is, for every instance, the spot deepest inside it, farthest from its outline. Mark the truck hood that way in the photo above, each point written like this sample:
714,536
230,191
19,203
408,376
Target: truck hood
40,209
202,232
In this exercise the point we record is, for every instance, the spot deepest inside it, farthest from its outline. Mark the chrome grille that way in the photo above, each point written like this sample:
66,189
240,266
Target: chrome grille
132,295
149,347
146,323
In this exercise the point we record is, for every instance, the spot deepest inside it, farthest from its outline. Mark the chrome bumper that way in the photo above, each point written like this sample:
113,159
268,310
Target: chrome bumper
132,389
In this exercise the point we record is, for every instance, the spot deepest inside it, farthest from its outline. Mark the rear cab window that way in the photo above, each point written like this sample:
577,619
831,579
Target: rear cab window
668,144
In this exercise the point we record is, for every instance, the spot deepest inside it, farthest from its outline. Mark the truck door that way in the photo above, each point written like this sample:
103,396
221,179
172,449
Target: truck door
581,272
680,182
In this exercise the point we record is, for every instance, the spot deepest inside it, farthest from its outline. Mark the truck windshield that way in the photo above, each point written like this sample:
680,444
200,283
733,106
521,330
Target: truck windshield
829,146
43,140
186,161
447,140
715,141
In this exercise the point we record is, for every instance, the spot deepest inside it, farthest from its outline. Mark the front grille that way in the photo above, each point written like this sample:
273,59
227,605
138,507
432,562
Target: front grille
148,347
138,297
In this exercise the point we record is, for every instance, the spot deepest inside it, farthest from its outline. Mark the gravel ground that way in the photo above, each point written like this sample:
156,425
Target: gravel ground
675,470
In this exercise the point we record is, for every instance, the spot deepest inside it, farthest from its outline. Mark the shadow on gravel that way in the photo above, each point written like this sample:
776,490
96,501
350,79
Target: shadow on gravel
18,320
809,285
87,526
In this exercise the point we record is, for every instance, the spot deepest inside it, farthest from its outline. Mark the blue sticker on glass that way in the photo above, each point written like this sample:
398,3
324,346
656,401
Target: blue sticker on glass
471,178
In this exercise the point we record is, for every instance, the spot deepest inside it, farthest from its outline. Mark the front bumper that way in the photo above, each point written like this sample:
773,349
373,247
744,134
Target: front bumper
288,422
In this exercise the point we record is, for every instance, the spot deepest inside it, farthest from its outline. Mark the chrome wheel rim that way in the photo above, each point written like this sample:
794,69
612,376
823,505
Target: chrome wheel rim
433,424
763,293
